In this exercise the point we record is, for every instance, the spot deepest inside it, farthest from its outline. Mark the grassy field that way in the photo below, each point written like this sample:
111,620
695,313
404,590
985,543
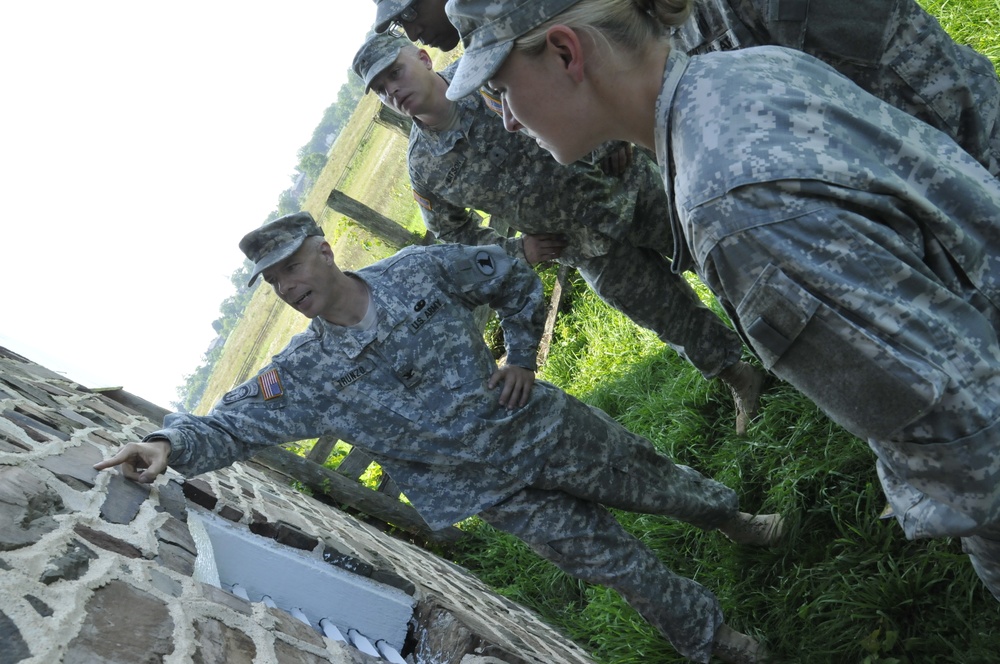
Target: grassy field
845,586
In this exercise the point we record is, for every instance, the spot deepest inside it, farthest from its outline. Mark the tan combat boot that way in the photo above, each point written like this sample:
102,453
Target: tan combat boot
755,529
736,648
745,381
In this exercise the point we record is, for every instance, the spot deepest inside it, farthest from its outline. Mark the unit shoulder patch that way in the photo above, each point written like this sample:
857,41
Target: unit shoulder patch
485,264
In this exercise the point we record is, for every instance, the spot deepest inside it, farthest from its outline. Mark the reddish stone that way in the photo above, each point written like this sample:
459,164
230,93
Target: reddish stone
289,535
294,627
47,421
8,444
28,389
103,438
219,643
231,513
220,596
200,492
176,532
31,427
107,542
122,625
174,557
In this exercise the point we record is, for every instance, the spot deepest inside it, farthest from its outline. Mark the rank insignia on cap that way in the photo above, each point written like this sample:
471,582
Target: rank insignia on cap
492,102
421,201
270,384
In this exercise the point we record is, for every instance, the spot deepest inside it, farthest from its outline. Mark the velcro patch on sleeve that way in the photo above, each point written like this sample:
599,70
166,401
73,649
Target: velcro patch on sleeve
422,201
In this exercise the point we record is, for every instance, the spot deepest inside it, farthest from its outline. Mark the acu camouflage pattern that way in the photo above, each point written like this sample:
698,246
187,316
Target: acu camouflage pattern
412,392
277,240
858,250
892,48
488,29
376,54
386,12
614,226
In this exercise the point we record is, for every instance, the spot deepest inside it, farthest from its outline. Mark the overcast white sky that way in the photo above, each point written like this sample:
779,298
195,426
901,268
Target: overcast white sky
139,141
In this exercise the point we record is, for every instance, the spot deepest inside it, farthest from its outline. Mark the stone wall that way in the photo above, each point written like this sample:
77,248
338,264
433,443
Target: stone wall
95,568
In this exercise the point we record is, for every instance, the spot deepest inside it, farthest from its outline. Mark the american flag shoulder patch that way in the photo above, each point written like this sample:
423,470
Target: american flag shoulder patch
492,101
270,384
422,201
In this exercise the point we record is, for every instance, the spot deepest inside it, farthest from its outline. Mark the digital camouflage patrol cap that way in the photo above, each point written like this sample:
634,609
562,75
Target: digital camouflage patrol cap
488,29
376,54
275,241
386,12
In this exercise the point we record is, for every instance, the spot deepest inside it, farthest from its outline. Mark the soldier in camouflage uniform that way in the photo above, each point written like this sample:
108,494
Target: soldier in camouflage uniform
393,362
891,48
461,159
856,248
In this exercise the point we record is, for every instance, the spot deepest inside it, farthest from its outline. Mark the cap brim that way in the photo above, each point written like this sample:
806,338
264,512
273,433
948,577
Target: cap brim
476,68
380,67
384,15
271,259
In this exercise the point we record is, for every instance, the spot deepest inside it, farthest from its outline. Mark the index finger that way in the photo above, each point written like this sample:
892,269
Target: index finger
121,457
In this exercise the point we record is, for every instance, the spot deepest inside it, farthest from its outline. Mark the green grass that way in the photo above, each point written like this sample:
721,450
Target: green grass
844,587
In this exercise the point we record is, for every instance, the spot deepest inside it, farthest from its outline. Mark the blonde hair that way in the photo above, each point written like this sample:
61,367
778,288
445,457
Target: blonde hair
627,24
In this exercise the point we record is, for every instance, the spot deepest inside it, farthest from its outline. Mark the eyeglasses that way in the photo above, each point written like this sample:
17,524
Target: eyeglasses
408,15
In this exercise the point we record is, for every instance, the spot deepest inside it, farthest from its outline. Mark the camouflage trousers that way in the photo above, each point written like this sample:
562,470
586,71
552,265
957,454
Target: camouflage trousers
635,277
891,48
563,517
894,344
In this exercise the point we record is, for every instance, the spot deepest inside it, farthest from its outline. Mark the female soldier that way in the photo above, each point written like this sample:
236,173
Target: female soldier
856,248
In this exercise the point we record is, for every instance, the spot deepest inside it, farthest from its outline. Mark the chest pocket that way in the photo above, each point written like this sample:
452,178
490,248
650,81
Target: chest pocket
438,348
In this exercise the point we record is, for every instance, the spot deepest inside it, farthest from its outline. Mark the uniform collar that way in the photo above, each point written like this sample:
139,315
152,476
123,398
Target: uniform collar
439,143
676,64
390,311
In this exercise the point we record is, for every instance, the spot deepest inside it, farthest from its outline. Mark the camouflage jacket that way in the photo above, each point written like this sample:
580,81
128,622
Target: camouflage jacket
893,49
412,390
478,165
858,251
734,128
